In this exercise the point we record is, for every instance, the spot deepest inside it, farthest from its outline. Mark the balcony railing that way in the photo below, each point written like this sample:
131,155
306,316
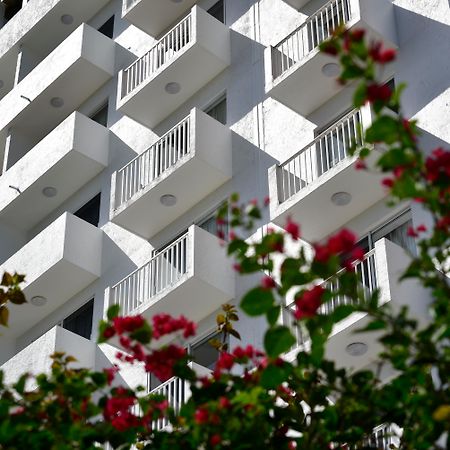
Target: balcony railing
309,35
162,271
176,391
325,152
153,162
162,53
367,275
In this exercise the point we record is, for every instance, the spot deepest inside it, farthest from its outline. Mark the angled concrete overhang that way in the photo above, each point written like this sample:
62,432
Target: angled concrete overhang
69,249
66,159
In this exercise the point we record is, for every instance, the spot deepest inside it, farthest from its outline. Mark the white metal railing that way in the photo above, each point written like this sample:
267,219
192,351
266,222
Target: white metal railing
163,52
309,35
366,271
162,271
153,162
176,392
324,152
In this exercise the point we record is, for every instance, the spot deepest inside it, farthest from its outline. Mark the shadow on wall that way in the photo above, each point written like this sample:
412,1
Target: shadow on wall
421,63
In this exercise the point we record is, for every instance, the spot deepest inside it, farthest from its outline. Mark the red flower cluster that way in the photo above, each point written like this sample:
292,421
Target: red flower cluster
381,55
438,165
353,36
268,283
117,410
378,92
164,324
242,355
342,242
414,232
293,229
308,302
122,325
161,362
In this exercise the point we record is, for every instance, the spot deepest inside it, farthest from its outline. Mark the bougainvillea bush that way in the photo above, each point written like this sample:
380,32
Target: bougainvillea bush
254,398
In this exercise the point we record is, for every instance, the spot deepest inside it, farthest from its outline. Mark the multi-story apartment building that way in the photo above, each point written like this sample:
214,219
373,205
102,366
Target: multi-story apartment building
124,124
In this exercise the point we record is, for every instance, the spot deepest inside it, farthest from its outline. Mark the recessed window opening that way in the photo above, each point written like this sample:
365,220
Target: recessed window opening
101,115
203,353
80,322
209,223
218,109
90,212
218,11
108,28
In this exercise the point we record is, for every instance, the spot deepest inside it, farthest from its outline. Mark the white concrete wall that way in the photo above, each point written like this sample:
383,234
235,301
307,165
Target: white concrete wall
264,131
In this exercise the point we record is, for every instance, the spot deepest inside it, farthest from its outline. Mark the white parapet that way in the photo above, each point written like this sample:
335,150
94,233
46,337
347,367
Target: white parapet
35,358
184,60
58,85
192,275
69,249
189,162
301,77
66,159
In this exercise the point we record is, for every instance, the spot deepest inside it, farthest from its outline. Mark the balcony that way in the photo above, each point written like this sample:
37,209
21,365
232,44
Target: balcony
29,28
72,154
184,60
191,276
198,148
56,87
301,77
320,181
177,392
380,269
156,16
35,358
69,249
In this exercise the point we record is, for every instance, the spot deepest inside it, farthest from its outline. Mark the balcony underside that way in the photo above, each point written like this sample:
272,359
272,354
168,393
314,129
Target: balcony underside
74,153
191,296
189,181
304,87
156,16
149,104
312,206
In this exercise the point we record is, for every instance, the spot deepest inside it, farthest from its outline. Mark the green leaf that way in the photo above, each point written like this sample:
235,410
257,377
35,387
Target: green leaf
258,301
272,315
374,325
383,129
278,340
273,376
341,312
4,316
113,311
17,297
237,245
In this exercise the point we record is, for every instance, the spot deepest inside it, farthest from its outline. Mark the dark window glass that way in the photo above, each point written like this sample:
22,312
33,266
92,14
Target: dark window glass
204,354
391,85
80,322
218,11
108,27
101,116
12,7
90,212
218,110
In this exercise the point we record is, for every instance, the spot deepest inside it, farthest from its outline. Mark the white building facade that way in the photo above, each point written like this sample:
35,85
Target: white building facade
124,125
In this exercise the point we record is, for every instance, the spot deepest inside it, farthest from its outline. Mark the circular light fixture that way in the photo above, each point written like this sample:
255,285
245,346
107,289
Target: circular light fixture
38,300
49,191
356,348
1,84
168,200
67,19
172,88
57,102
341,198
331,70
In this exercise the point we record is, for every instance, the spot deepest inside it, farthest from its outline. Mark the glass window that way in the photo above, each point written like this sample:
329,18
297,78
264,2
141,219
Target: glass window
204,354
209,224
101,115
80,322
218,110
108,28
218,11
90,212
